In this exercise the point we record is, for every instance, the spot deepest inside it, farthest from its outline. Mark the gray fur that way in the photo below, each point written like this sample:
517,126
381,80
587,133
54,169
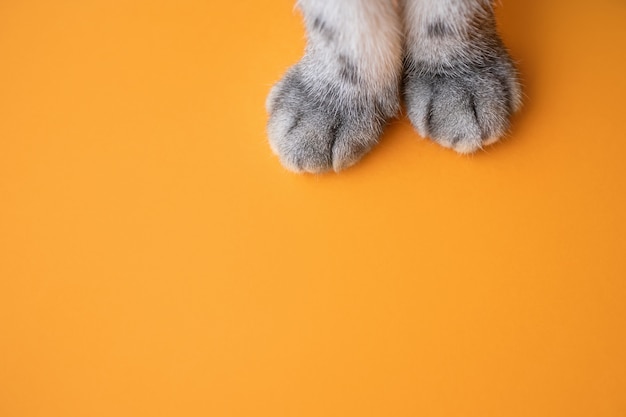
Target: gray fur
324,113
462,107
459,84
315,132
320,26
462,99
349,71
439,29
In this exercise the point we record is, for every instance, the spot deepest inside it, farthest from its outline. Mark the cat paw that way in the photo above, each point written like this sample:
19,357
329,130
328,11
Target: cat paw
317,128
463,108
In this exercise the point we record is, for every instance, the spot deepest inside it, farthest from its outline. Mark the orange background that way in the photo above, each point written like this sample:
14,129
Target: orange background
156,259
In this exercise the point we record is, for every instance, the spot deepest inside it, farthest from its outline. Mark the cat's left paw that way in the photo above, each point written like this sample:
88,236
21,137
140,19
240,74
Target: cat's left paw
463,108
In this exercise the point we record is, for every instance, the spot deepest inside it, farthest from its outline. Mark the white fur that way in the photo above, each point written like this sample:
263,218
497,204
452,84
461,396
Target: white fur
367,31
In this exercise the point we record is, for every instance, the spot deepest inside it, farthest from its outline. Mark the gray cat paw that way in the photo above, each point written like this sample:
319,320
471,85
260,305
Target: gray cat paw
463,108
316,129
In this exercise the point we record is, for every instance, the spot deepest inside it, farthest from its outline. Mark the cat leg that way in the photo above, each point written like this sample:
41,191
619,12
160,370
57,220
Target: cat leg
460,85
329,109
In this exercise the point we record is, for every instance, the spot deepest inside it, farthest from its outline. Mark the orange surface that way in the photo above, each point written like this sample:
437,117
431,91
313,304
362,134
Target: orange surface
156,260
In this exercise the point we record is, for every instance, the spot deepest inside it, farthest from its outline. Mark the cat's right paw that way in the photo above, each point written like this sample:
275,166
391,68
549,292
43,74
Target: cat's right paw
313,132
